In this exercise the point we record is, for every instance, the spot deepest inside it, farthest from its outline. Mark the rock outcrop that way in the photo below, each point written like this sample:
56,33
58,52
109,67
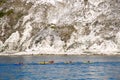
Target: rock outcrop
60,26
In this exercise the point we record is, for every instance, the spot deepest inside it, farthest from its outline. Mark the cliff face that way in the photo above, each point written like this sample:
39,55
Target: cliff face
70,26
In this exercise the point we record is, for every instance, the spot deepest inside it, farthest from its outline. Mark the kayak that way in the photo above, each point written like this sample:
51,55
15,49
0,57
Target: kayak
49,62
43,63
87,62
68,62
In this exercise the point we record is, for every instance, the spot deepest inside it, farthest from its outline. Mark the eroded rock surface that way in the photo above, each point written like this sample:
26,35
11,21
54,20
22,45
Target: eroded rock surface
60,25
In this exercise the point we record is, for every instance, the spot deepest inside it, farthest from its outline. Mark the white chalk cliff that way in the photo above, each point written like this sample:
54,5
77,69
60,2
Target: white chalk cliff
60,26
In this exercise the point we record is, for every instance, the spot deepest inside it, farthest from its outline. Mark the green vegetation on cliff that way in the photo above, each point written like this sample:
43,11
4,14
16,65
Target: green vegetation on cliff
2,1
3,13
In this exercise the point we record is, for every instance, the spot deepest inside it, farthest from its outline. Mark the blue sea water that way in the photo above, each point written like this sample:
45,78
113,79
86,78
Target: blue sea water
100,68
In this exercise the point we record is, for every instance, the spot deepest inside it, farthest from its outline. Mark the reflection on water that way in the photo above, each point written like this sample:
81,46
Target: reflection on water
102,68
